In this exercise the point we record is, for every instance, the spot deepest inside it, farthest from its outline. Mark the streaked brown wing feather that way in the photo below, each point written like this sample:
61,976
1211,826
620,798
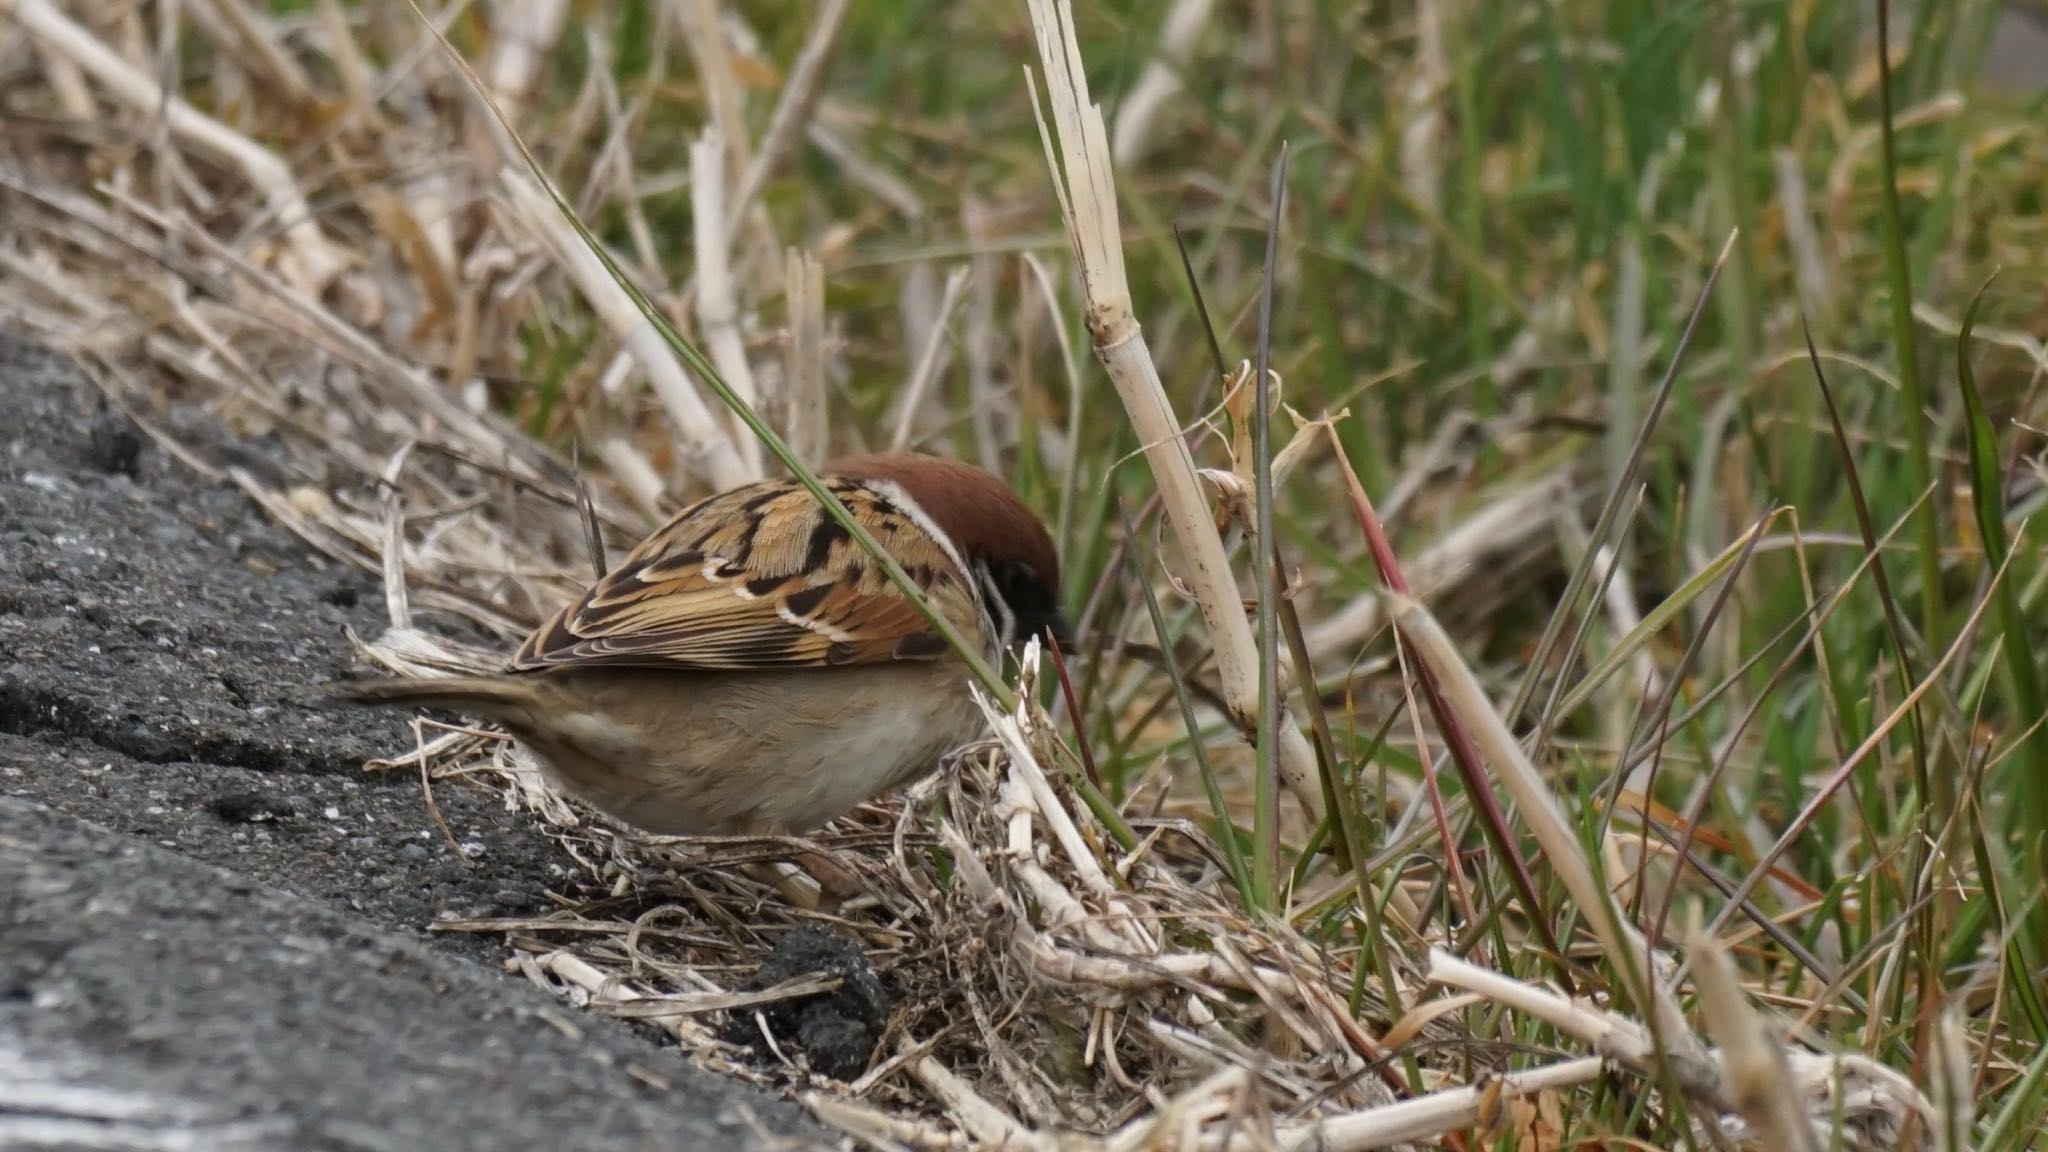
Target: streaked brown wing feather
756,578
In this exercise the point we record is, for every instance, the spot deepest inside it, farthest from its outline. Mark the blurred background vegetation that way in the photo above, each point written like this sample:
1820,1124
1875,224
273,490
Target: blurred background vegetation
1499,216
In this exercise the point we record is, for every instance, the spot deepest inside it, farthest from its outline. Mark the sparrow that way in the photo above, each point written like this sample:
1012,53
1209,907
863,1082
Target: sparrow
748,669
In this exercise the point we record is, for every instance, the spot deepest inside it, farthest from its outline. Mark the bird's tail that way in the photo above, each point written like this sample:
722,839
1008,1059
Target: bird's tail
489,697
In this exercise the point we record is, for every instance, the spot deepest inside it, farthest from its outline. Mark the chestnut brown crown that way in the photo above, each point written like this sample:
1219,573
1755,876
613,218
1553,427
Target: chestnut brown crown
998,536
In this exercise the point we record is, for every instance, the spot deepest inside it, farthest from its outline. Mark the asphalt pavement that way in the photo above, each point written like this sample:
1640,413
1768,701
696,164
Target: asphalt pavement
212,920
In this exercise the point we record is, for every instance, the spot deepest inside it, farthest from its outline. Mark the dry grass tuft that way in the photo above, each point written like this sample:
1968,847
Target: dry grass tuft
304,219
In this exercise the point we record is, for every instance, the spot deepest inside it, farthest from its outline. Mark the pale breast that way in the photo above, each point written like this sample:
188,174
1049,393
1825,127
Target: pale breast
738,753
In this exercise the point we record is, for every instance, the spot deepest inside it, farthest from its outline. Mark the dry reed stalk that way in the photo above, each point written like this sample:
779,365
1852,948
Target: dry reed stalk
1753,1064
522,33
605,989
929,358
984,1123
1521,520
1626,949
1180,1120
612,176
1954,1076
253,45
1068,993
1424,123
350,64
708,448
704,30
873,1127
807,395
67,82
718,307
1875,1105
792,111
980,340
870,177
1427,1118
1138,114
631,471
1077,153
301,316
310,261
1804,241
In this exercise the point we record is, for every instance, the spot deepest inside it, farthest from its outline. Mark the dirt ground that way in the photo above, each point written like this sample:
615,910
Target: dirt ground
211,918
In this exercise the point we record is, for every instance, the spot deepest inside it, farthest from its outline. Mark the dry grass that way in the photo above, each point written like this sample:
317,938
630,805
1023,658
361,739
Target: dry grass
309,220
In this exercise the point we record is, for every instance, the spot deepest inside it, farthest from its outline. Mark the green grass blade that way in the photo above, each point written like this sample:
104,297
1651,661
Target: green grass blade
2026,771
1919,455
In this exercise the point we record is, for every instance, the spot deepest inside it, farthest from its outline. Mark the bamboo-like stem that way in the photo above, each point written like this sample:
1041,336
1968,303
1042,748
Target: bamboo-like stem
986,1123
806,415
1077,152
718,309
1426,1118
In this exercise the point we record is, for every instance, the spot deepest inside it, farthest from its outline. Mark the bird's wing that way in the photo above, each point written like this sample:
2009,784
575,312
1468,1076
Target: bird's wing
762,577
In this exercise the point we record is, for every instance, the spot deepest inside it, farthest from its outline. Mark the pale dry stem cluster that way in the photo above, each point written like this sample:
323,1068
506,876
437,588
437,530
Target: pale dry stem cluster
1054,989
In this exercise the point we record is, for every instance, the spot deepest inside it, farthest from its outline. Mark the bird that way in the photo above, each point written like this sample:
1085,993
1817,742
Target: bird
749,670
